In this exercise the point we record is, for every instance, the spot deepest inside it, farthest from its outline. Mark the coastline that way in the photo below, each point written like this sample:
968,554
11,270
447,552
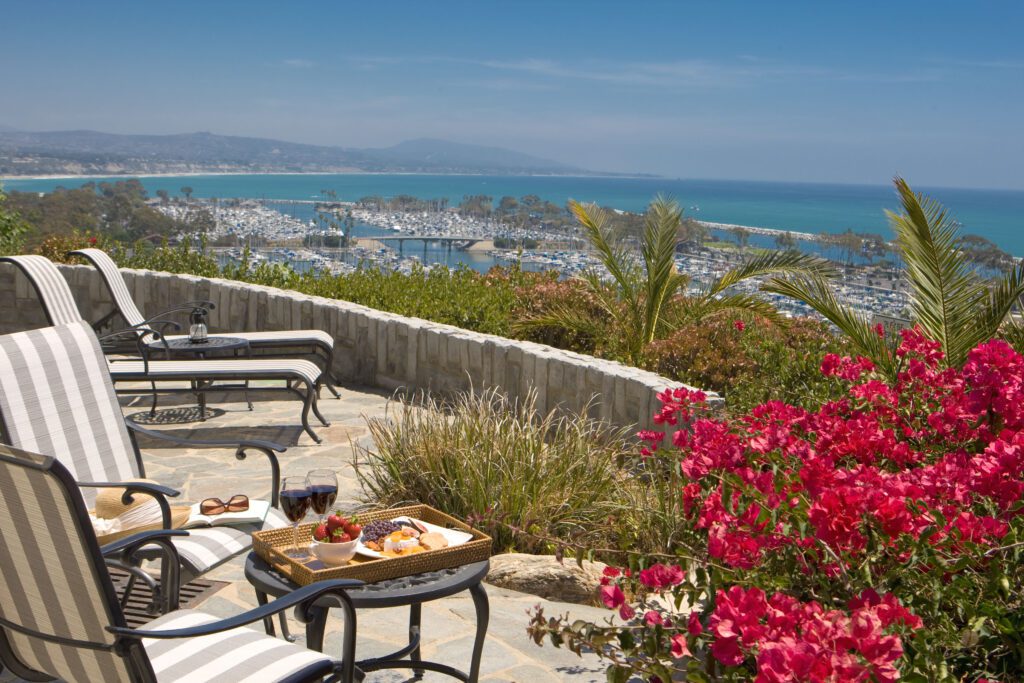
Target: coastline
805,236
191,174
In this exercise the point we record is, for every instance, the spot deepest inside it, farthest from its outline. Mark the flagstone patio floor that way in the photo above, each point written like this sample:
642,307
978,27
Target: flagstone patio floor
448,624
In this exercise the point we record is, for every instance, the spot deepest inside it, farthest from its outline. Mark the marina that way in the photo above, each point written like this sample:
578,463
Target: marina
287,233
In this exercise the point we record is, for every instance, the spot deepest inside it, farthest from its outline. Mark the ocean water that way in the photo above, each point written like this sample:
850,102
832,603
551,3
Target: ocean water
997,215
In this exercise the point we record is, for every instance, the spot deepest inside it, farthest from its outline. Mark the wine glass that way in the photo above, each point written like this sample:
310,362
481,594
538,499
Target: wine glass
296,497
324,487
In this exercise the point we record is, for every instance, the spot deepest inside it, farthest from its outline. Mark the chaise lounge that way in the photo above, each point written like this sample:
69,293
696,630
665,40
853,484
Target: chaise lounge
57,399
275,343
60,307
60,617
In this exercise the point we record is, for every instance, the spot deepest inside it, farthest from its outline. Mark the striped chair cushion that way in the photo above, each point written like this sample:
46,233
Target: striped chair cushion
115,283
57,398
240,655
54,292
212,369
131,313
206,547
49,582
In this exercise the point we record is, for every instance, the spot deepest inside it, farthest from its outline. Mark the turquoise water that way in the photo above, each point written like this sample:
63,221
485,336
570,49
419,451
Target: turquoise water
995,214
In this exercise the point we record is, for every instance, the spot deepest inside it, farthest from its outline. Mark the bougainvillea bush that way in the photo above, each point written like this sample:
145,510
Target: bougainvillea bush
875,538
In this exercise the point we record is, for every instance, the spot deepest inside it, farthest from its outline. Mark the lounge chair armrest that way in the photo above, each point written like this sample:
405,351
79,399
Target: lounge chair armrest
267,448
161,324
302,600
159,493
201,303
136,541
186,307
138,334
131,332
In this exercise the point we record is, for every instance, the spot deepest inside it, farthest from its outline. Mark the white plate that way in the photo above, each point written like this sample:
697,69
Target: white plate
454,536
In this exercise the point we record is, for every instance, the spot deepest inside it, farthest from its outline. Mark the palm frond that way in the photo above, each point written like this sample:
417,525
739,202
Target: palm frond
696,308
773,263
659,252
945,290
993,311
817,293
612,254
566,318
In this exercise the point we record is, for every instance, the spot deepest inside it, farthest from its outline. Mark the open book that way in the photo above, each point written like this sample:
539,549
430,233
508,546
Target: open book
256,513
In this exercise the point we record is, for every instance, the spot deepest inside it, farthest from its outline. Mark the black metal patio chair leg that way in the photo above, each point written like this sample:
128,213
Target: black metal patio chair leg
319,416
307,404
152,410
328,375
329,383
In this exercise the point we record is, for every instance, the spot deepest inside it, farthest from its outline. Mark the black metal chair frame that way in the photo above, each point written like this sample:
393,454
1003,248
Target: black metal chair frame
128,643
124,555
137,336
162,322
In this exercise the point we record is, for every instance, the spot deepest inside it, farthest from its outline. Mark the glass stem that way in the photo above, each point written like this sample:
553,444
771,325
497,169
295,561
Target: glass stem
295,537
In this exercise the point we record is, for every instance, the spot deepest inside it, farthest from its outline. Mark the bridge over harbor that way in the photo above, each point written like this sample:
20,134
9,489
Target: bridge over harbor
449,241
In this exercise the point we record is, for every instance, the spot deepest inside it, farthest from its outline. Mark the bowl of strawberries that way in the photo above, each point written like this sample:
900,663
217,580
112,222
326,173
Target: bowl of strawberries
335,540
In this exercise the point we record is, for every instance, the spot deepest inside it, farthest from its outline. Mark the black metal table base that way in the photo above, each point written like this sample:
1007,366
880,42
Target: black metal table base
408,656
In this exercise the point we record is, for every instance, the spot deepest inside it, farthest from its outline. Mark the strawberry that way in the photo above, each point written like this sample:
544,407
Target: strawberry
353,530
320,533
339,536
336,521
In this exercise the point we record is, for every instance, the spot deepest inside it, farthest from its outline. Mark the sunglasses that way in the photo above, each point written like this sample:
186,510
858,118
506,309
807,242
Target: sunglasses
216,506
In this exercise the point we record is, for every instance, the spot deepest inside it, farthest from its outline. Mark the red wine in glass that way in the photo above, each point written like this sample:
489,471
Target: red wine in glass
295,503
296,497
323,485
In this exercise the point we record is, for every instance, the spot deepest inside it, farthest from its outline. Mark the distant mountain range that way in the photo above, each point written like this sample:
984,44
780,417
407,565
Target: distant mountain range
85,152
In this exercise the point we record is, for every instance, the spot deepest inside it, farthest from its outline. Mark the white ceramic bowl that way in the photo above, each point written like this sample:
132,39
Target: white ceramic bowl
334,554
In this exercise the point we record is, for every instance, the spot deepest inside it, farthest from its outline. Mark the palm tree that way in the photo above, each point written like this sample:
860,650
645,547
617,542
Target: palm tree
950,301
644,300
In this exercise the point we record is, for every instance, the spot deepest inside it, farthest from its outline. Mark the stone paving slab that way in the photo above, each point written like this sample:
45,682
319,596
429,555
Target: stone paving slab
449,624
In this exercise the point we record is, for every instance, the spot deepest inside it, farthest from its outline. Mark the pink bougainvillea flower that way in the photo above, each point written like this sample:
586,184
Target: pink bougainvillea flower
653,618
693,626
612,596
680,648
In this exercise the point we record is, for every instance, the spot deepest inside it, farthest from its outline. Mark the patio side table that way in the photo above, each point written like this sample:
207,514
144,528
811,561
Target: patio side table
183,347
408,590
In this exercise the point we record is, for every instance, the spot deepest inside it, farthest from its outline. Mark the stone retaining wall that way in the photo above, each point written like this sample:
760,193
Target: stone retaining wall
373,347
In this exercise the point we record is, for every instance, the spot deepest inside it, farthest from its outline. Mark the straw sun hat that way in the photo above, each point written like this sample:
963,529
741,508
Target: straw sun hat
112,519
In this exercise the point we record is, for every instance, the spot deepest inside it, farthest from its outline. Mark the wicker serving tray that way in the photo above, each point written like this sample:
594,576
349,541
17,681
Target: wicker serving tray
271,543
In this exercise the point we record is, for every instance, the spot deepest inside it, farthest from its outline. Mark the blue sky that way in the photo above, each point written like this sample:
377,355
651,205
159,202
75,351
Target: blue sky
823,91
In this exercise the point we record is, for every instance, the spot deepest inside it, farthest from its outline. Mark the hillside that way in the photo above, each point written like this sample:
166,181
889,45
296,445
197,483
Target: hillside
84,152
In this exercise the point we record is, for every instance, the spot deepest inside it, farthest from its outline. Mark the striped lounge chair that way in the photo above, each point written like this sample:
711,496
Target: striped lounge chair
275,343
57,398
60,617
60,307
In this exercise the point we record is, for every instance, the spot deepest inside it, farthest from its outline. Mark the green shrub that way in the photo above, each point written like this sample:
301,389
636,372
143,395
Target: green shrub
552,475
537,299
183,258
749,366
454,296
55,247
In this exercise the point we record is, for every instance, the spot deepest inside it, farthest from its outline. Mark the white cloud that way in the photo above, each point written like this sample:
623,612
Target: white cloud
299,63
701,73
680,73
